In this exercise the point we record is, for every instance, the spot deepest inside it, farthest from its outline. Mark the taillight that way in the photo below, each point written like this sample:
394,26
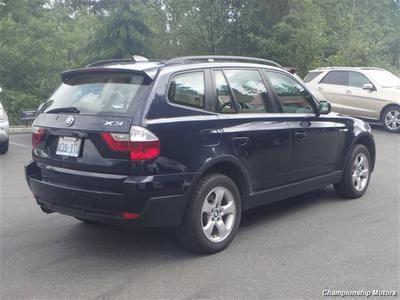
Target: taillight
144,144
37,134
141,143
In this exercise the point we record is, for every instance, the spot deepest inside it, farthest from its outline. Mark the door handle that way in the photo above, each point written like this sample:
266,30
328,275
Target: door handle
300,135
348,92
241,140
320,89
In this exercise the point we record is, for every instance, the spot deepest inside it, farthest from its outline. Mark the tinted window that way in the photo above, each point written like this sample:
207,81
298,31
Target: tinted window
249,91
225,102
357,79
187,89
336,77
98,93
310,76
292,96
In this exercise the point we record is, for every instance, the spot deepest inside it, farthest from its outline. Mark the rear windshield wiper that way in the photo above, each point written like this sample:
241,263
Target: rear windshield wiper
67,109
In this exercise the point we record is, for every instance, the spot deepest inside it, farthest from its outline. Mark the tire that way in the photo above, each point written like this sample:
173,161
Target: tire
357,174
4,147
391,119
204,228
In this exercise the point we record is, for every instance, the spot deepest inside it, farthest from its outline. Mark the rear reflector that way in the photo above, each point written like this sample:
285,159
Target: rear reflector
37,134
129,215
141,143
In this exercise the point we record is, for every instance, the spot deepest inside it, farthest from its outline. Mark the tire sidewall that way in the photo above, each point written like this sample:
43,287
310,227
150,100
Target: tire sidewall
4,146
196,206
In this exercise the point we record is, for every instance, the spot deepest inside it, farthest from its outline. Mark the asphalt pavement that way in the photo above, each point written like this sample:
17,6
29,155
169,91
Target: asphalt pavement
294,249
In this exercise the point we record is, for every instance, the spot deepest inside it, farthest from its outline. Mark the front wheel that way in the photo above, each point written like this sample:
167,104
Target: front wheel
356,175
391,119
213,215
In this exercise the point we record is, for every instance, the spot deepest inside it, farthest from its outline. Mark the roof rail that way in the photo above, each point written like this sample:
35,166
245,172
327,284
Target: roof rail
134,59
212,58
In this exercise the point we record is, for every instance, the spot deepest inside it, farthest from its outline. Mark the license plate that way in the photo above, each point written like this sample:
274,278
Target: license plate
68,146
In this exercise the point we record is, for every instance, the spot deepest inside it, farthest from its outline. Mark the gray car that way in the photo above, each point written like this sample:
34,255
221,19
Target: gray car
4,140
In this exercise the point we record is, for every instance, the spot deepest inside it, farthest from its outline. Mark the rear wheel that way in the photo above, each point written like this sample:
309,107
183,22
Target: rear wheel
391,119
213,215
356,175
4,147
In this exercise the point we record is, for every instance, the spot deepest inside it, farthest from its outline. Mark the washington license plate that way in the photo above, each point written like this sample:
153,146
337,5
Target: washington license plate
68,146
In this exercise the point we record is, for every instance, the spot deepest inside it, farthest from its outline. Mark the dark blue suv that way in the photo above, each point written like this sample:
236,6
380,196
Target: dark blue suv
191,143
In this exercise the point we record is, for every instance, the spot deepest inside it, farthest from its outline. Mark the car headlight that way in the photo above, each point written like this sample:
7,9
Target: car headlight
3,115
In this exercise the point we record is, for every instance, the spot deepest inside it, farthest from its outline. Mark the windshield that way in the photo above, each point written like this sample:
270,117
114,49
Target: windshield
383,78
97,94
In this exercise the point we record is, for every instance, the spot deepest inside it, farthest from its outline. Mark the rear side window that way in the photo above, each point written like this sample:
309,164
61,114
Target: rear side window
311,76
336,77
98,93
292,96
249,91
357,79
187,89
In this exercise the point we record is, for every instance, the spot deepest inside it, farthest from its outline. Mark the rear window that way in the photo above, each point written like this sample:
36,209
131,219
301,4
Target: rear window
98,94
310,76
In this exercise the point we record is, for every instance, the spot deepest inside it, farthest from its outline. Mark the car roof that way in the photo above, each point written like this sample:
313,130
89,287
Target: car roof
151,67
345,69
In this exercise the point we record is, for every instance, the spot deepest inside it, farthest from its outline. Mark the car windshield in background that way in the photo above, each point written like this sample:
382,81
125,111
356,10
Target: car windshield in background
384,78
310,76
97,94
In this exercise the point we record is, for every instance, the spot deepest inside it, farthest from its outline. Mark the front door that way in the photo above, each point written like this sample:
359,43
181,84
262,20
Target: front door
316,142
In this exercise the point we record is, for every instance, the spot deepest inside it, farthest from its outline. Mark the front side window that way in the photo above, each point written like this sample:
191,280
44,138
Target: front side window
357,79
187,89
249,90
336,78
292,96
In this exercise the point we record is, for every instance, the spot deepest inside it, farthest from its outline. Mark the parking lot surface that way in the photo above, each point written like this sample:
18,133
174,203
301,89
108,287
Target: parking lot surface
290,250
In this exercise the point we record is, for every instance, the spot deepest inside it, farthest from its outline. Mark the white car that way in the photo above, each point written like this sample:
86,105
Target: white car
4,140
369,93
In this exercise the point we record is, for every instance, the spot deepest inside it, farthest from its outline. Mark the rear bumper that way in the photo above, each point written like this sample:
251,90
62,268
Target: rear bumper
158,200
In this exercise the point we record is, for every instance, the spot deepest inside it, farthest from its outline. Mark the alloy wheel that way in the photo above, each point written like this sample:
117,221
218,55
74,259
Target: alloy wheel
360,174
392,119
218,214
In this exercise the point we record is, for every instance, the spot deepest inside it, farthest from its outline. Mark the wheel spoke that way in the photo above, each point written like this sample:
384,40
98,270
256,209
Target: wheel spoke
364,173
208,229
219,195
207,207
228,209
222,230
360,160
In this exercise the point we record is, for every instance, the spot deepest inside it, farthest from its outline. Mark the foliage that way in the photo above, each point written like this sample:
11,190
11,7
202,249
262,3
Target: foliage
41,38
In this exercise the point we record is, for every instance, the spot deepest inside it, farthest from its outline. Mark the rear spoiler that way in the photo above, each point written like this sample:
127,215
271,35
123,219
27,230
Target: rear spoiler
67,75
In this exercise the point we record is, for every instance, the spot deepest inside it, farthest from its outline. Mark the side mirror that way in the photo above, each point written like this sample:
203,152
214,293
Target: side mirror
324,107
368,87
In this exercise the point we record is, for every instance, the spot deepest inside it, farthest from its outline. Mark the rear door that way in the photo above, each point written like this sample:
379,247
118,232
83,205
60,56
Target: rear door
249,127
318,141
85,124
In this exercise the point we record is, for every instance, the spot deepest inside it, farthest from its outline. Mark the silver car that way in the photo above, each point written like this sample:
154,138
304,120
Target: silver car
4,126
369,93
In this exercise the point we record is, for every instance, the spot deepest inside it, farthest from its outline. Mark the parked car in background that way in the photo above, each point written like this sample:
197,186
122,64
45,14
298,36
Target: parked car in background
369,93
191,142
4,140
